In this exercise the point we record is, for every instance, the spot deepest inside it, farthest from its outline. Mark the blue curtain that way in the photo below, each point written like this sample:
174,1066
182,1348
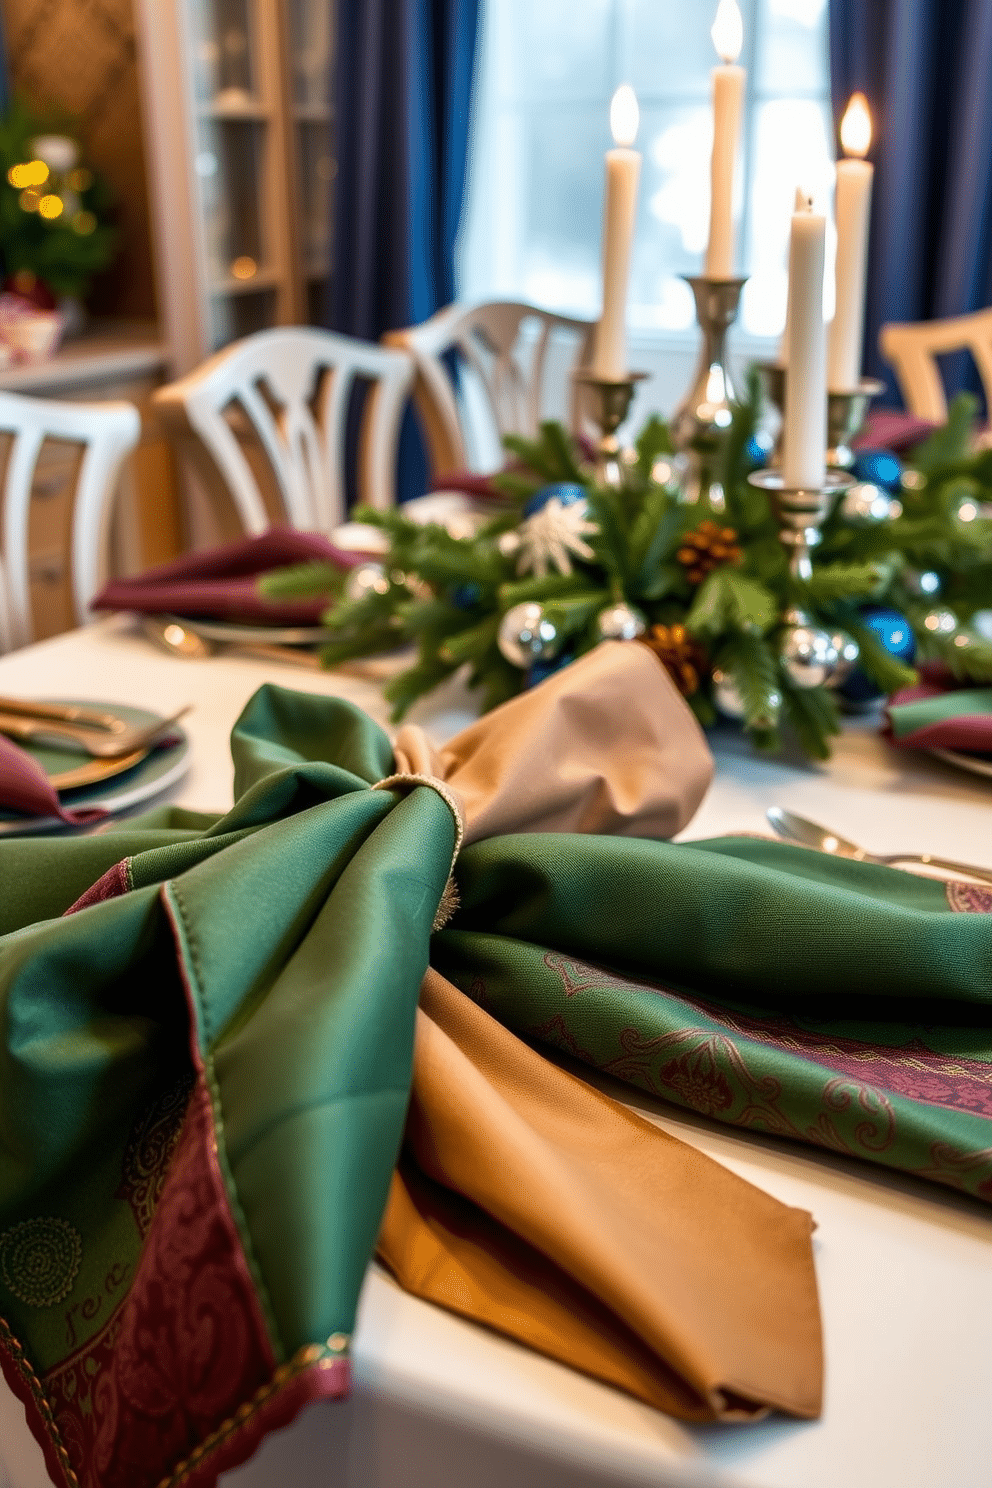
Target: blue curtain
926,69
403,93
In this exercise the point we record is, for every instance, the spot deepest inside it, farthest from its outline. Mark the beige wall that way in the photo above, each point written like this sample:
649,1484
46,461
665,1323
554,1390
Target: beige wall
80,54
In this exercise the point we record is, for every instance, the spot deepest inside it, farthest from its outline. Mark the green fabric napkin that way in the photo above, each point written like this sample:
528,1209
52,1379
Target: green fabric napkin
204,1070
909,717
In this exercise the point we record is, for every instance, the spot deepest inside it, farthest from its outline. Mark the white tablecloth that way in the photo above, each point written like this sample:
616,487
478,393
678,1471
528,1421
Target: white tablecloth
905,1269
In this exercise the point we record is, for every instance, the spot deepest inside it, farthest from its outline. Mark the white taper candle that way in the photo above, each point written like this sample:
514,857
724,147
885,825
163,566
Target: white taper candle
804,437
728,98
852,210
623,169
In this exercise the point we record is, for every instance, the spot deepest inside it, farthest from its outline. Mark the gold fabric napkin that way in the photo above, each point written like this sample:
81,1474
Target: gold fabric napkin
606,745
534,1204
538,1206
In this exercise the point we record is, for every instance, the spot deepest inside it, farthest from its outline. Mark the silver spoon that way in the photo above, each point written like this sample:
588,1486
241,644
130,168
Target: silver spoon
177,639
180,640
810,834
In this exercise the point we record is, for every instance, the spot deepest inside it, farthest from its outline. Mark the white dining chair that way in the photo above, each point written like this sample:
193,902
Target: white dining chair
912,348
503,363
288,391
107,432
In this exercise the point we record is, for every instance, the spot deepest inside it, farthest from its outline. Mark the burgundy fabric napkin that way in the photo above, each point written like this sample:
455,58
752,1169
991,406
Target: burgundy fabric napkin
940,713
222,583
893,429
25,787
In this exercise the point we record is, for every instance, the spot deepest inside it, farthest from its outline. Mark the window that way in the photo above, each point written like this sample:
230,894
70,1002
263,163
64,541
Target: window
547,70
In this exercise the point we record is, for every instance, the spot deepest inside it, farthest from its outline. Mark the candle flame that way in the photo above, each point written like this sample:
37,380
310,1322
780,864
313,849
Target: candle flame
625,115
855,128
804,199
728,31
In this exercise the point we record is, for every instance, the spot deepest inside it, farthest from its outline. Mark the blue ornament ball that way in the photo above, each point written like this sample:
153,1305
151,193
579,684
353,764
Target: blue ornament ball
759,449
566,491
539,670
895,633
879,467
464,596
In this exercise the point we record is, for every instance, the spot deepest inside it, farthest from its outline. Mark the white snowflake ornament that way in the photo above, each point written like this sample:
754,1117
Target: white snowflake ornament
553,536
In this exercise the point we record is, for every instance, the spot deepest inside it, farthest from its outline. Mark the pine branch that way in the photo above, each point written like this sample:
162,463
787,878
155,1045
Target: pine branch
734,463
838,581
471,643
949,444
572,614
654,440
729,600
883,668
750,662
813,714
404,690
302,581
552,586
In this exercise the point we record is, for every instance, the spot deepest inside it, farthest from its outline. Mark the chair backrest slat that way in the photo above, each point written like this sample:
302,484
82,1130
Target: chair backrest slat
491,340
108,432
912,348
293,385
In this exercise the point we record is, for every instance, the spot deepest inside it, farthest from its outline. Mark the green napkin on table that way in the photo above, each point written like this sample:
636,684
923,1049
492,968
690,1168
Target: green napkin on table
205,1069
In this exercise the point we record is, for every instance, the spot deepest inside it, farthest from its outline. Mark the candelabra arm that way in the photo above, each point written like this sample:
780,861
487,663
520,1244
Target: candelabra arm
704,415
609,402
801,513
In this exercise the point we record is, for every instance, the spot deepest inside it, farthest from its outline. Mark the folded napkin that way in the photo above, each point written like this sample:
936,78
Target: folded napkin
938,713
25,787
209,1065
222,583
893,429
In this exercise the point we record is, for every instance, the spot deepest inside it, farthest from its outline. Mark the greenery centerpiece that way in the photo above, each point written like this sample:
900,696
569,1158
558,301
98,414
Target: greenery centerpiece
546,577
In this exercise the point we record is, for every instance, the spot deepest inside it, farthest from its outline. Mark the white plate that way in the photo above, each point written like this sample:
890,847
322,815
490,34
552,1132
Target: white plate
159,769
230,633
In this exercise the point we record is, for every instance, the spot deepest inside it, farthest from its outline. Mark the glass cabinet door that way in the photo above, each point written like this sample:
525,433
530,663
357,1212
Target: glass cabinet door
311,26
235,106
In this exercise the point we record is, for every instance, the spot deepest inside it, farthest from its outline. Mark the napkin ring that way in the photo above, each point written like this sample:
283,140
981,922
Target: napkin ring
406,781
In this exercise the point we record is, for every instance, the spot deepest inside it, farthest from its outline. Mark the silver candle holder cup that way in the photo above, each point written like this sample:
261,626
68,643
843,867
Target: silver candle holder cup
704,415
608,402
801,512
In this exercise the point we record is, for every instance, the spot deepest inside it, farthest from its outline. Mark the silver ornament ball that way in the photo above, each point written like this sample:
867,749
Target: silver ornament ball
726,695
848,656
367,578
809,655
864,502
526,635
620,622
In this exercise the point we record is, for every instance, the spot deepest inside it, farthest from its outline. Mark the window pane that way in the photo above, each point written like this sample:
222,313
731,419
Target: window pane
555,48
793,47
791,148
666,51
547,70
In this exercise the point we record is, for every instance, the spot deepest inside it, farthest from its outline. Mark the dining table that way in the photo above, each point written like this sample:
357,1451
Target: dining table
904,1268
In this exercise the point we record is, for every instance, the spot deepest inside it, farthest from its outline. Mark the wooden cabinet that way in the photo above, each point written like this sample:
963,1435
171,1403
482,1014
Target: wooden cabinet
238,123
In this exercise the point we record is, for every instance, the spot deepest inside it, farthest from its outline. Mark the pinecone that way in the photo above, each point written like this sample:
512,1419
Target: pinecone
683,657
707,548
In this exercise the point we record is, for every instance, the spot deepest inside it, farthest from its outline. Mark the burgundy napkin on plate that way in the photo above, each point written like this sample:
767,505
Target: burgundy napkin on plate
222,583
940,713
25,787
893,429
